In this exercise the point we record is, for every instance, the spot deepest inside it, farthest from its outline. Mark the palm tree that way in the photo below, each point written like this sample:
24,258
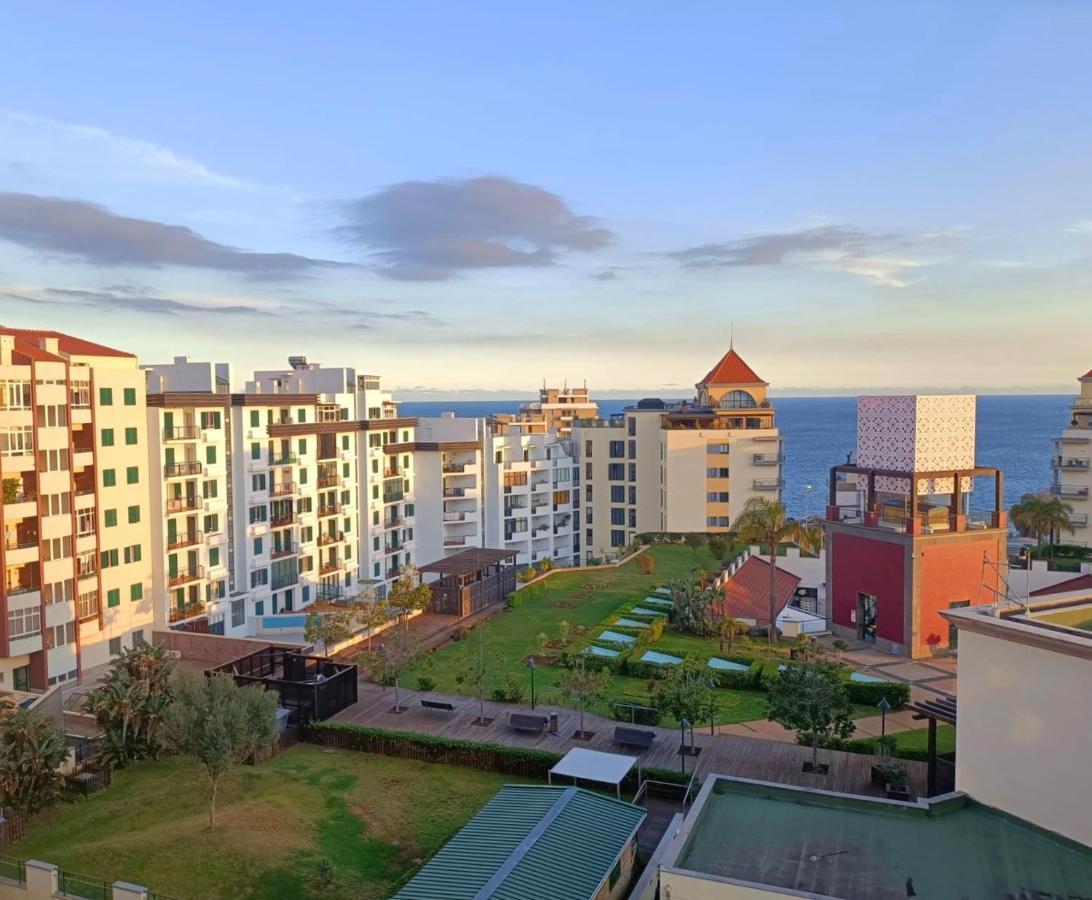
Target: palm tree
766,522
1036,516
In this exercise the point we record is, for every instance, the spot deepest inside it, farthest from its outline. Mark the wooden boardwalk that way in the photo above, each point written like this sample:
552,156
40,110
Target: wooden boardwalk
725,754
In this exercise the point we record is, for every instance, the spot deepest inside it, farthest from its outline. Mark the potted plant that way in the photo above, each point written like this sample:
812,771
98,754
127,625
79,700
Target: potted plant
894,776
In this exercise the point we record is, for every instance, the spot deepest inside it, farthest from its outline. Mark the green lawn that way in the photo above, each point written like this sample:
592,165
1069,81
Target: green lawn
374,817
1074,618
585,599
918,739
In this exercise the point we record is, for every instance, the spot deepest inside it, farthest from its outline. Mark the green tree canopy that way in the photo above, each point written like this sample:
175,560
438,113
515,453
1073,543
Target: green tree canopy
582,685
32,749
687,692
810,698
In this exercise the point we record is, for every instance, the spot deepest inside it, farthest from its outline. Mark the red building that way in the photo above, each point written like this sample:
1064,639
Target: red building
907,534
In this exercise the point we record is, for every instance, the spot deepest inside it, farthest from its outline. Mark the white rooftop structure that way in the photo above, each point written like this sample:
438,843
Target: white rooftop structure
594,765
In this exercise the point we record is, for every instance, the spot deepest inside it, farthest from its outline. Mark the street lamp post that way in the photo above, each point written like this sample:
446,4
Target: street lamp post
531,666
808,488
683,725
884,707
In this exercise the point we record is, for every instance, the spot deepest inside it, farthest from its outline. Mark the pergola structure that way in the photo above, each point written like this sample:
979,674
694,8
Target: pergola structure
470,580
942,709
595,766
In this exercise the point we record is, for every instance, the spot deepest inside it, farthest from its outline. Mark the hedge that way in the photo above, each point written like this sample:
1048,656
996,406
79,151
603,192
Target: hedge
869,693
869,746
523,762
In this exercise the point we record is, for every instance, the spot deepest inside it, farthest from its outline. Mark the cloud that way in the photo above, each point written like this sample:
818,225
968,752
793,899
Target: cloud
90,233
1082,227
368,320
38,137
605,275
131,300
881,258
432,230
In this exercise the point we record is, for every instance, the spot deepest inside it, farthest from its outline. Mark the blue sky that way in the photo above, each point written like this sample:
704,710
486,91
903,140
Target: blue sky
474,197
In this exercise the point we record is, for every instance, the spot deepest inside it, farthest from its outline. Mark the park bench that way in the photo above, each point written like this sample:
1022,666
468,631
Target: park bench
438,704
634,737
523,722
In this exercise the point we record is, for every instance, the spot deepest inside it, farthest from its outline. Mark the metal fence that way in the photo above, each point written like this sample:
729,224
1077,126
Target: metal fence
13,869
84,886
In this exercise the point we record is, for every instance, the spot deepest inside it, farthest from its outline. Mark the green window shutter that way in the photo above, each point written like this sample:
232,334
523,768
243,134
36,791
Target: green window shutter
257,546
255,451
255,418
214,556
109,478
303,475
136,552
110,517
108,437
113,597
132,475
130,436
130,396
345,442
303,446
113,557
210,455
136,592
106,397
134,515
301,415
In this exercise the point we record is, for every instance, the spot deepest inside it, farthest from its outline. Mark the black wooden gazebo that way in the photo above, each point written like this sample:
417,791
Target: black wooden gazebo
941,777
471,580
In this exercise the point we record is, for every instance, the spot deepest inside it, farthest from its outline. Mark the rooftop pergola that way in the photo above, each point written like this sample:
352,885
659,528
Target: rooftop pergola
595,766
941,709
467,563
471,579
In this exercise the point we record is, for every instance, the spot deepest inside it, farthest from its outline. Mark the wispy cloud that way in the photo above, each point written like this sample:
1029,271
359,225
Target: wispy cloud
883,258
25,139
432,230
1084,226
131,300
83,231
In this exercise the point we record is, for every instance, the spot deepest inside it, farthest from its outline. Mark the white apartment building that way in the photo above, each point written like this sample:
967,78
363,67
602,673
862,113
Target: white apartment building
530,504
448,467
76,556
1072,475
679,467
555,410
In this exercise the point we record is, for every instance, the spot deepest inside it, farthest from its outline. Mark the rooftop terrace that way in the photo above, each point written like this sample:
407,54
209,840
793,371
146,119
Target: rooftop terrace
838,845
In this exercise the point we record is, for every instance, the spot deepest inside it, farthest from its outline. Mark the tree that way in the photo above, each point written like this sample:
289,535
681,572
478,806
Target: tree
219,724
1036,516
690,604
131,702
718,546
694,539
328,627
582,685
646,564
374,614
32,750
12,488
840,645
811,699
723,625
396,654
687,692
765,522
408,595
476,674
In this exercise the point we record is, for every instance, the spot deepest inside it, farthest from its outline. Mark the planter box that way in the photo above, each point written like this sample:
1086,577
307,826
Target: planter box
896,794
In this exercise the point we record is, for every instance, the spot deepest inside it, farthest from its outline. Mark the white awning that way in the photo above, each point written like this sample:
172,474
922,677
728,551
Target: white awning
594,765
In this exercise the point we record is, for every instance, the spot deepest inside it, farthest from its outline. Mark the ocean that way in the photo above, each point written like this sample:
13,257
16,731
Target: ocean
1014,434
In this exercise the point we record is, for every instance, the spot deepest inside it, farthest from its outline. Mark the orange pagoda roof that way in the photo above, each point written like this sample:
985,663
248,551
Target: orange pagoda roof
731,370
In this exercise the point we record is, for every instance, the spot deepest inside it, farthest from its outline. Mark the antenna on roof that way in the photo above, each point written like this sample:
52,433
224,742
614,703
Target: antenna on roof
731,335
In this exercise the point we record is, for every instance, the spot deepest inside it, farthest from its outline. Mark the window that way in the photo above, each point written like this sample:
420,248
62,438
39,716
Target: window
238,613
259,577
257,546
632,449
210,489
134,515
255,450
716,497
616,471
108,558
136,591
132,474
214,556
109,477
633,494
737,400
717,448
617,449
255,418
115,646
615,873
259,608
302,446
106,397
717,521
588,448
257,482
24,623
113,597
631,426
617,516
130,436
130,396
617,538
138,637
210,420
210,455
617,493
107,438
132,553
110,517
716,473
632,471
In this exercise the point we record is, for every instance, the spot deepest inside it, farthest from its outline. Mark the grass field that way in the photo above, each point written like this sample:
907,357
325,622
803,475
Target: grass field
510,637
1081,617
918,739
374,817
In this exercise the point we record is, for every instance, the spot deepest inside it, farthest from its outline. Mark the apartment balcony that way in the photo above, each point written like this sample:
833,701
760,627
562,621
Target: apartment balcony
392,572
455,468
1071,491
182,469
455,492
1078,520
185,539
282,521
284,459
188,611
396,496
767,459
460,541
87,605
327,537
87,565
459,517
185,575
282,552
328,481
767,484
182,504
329,509
393,522
182,433
284,489
1070,463
393,546
392,472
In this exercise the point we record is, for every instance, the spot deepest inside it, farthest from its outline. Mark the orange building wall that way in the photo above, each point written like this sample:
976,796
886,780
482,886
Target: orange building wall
951,570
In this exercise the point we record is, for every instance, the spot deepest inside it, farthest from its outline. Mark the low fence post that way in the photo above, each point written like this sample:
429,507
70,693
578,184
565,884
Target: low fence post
42,880
122,890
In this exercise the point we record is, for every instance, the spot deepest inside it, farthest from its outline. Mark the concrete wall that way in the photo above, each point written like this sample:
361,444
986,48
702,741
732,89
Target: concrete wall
1025,730
687,886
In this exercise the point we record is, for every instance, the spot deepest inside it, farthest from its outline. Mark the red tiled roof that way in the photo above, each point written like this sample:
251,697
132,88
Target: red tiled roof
71,346
1080,583
1087,374
731,370
747,593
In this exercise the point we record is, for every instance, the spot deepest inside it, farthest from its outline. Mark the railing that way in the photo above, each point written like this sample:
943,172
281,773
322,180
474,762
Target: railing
11,868
393,572
1069,490
454,468
182,504
331,565
767,484
182,576
1078,518
392,547
284,459
456,516
280,490
84,886
181,433
24,497
768,459
282,551
182,469
328,538
188,611
186,539
392,473
282,520
329,509
25,542
328,481
1079,463
23,588
454,541
393,522
455,492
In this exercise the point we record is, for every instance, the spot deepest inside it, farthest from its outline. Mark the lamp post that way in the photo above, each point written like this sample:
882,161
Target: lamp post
1027,579
884,707
531,666
808,488
683,725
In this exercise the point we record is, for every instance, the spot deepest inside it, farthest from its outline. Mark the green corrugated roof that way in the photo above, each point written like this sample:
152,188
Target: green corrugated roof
530,843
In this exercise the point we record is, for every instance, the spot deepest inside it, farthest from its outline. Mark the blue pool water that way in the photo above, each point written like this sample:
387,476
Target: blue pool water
614,637
600,651
663,659
641,611
631,623
865,679
726,665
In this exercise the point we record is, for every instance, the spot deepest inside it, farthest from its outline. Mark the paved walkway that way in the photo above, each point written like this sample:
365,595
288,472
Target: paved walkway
729,754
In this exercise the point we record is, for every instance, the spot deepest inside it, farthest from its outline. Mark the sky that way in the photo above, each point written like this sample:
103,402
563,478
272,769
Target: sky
470,198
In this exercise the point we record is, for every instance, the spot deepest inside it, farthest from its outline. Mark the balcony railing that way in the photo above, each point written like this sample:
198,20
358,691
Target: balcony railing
1069,490
329,566
457,516
282,520
183,576
182,504
393,572
768,459
331,538
23,588
181,433
25,541
283,459
282,489
1077,463
182,469
283,551
454,468
454,541
393,472
393,522
396,496
329,509
392,546
1078,519
767,484
185,539
329,481
178,613
454,492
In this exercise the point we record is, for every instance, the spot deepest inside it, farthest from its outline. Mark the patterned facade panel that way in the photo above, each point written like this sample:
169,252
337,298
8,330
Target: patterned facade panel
944,432
916,434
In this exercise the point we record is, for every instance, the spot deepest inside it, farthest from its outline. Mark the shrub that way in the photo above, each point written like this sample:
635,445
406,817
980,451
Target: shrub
718,546
694,540
510,691
646,564
517,598
426,683
646,715
870,693
31,752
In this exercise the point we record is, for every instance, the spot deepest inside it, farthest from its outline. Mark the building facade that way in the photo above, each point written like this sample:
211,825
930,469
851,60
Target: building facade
77,550
448,456
1072,482
555,410
679,467
907,536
